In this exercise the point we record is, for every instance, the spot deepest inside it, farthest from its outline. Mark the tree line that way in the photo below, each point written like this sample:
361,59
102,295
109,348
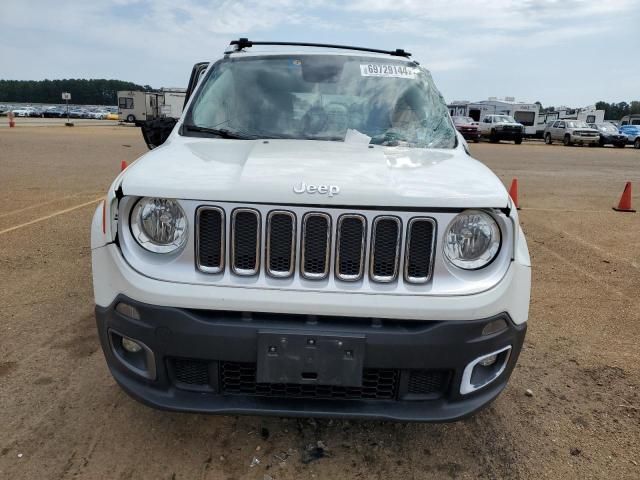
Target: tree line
83,91
612,111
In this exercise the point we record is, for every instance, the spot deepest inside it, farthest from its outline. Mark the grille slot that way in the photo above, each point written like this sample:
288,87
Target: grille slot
281,241
245,241
427,382
210,239
316,245
240,379
385,248
190,372
419,250
350,247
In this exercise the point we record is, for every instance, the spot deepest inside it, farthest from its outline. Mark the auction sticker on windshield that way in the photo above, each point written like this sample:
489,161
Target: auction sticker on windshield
382,70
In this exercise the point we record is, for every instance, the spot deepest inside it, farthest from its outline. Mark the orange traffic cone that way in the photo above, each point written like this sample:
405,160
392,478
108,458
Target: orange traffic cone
123,165
625,200
513,192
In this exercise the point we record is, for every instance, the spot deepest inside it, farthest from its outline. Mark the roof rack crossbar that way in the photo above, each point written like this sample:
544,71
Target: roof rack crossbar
245,43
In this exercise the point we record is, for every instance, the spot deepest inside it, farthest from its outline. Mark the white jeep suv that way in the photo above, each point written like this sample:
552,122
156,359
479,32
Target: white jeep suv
312,238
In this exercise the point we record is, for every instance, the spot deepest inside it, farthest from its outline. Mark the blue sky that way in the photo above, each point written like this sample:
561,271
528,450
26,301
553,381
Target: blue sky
560,52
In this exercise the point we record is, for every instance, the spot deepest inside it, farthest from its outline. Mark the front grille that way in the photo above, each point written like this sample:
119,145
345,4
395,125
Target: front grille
316,245
311,244
240,379
245,241
385,249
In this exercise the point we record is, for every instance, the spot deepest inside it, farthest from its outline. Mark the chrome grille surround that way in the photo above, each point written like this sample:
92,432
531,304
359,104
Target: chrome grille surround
408,275
237,249
340,237
305,257
373,273
199,261
269,258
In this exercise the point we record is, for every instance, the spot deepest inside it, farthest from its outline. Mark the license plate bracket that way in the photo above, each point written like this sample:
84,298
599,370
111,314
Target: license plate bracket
310,359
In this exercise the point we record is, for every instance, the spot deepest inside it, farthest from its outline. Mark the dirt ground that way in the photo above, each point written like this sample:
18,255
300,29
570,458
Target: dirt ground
62,416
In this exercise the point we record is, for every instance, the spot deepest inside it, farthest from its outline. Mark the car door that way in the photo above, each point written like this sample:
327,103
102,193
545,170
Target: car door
156,132
558,132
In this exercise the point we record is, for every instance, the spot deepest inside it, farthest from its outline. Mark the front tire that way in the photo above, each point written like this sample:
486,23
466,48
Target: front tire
518,141
566,141
131,118
636,144
547,139
493,137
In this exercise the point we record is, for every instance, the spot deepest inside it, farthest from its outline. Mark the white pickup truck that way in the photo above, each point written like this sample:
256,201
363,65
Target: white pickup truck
501,127
311,238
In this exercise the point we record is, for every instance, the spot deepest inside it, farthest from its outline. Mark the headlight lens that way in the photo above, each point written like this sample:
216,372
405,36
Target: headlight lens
472,240
159,225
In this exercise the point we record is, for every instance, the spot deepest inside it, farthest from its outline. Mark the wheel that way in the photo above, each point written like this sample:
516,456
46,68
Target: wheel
476,140
636,144
131,118
547,139
493,138
518,140
566,141
601,142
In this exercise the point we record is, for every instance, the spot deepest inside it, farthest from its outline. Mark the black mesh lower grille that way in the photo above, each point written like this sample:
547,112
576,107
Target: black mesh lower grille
426,382
281,242
190,372
246,228
384,258
316,244
419,249
210,238
351,231
240,379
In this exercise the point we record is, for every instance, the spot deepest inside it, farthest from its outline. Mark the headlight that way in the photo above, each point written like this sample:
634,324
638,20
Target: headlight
472,240
159,224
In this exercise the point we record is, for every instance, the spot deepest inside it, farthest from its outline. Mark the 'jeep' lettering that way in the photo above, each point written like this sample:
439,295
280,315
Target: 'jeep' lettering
329,190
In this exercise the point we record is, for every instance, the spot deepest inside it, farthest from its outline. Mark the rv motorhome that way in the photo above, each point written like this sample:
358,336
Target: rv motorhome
524,113
138,106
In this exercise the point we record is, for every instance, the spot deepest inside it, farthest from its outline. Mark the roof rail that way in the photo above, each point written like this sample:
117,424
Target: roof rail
246,43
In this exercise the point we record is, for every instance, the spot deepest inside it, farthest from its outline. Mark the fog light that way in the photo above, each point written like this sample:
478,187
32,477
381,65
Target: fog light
130,345
484,370
488,361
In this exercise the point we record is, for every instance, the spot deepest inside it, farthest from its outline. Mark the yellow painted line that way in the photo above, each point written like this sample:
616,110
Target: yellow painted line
7,214
55,214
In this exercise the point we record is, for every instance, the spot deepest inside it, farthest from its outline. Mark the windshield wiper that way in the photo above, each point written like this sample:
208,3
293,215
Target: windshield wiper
219,132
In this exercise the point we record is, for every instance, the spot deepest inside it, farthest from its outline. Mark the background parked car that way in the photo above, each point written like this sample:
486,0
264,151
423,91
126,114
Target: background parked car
501,127
633,134
609,134
468,127
24,112
54,112
571,132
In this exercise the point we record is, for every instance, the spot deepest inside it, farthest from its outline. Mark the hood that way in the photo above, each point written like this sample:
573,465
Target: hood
269,171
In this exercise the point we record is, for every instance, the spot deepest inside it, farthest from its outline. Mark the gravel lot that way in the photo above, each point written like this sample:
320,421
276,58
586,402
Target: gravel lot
64,417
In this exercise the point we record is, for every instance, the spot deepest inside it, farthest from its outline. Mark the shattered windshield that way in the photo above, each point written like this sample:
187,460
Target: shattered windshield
381,101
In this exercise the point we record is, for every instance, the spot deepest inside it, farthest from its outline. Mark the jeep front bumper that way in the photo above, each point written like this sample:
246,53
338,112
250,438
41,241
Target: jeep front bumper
208,361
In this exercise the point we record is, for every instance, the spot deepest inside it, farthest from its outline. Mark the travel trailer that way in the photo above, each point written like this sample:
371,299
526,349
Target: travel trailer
587,114
138,106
